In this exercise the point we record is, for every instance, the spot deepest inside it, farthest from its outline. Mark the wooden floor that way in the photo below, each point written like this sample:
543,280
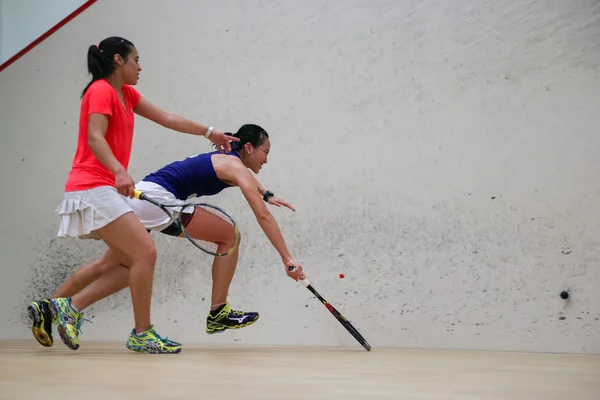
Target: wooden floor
109,371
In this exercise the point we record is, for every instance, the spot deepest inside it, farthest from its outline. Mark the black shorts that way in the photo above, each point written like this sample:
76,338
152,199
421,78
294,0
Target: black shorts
171,230
174,229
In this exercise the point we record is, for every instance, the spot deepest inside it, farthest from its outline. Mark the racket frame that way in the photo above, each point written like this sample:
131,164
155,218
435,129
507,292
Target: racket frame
142,196
338,315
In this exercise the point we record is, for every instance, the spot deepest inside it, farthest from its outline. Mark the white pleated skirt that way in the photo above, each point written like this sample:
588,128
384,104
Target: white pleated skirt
83,212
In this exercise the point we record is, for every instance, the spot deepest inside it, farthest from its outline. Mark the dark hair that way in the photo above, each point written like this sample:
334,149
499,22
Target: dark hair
100,58
248,133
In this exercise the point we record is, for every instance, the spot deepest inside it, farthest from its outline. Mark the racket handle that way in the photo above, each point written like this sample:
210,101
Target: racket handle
138,194
302,281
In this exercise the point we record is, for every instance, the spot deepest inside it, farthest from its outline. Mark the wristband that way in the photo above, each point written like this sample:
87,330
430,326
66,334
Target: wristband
268,194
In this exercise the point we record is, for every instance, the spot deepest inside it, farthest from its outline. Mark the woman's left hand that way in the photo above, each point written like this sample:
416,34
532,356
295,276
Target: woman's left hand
279,202
221,140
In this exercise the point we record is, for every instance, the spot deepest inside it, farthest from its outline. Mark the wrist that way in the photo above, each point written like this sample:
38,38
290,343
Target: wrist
119,170
209,132
267,194
288,261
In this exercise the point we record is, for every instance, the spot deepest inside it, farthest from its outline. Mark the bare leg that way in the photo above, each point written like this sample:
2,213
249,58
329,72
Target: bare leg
110,283
128,236
222,273
129,263
86,275
207,226
113,277
40,312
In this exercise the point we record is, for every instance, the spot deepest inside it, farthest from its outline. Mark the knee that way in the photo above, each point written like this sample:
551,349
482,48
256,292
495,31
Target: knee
145,253
149,253
231,238
109,262
106,266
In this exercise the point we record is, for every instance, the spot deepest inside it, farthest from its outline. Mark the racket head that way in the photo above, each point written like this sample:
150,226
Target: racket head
182,215
338,315
208,215
349,327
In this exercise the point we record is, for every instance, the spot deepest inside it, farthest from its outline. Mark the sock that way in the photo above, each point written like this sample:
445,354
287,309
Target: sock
214,312
73,307
140,333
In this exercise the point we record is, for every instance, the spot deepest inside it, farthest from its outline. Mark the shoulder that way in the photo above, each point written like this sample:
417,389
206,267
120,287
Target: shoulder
225,160
132,93
229,167
193,163
130,90
100,98
99,88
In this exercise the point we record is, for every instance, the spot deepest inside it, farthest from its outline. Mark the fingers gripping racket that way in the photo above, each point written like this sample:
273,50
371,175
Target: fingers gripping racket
342,320
207,213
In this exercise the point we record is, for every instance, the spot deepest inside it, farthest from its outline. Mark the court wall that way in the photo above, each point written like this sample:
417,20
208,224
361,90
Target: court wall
442,155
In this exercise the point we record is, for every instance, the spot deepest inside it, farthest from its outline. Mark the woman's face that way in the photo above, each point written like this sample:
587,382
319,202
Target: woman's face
130,69
257,156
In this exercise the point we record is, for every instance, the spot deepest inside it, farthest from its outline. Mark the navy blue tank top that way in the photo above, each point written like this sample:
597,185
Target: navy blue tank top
193,175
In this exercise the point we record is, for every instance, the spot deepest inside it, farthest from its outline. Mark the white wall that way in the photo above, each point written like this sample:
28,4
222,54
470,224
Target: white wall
441,154
23,21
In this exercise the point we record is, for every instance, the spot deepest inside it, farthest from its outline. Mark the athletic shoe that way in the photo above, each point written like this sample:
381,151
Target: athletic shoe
151,342
68,320
224,318
41,322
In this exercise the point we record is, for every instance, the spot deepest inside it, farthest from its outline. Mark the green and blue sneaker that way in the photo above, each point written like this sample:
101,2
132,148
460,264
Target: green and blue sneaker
68,320
41,322
151,342
224,318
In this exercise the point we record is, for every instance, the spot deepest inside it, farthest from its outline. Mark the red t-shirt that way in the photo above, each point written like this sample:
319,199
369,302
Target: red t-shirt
87,171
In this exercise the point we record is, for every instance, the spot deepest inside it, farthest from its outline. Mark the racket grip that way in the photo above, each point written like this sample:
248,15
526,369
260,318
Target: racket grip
138,194
304,282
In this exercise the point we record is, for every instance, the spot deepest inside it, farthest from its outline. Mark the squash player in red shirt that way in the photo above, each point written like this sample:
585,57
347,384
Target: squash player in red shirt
95,205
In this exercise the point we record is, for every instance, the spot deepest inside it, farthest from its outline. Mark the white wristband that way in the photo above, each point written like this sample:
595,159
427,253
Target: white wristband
209,132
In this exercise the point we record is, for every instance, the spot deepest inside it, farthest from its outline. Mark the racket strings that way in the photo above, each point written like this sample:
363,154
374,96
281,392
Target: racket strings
186,215
206,210
208,227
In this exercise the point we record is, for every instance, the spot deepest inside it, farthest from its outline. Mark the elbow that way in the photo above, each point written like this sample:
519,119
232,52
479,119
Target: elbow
168,120
92,141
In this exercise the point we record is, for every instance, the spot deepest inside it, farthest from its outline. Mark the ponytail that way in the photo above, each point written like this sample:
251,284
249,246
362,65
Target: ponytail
248,133
100,59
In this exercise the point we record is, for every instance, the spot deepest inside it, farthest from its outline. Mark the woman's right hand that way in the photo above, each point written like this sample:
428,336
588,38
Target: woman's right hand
124,184
222,140
294,271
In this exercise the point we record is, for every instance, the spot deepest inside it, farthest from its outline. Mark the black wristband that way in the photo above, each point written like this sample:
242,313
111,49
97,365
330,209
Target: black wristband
268,194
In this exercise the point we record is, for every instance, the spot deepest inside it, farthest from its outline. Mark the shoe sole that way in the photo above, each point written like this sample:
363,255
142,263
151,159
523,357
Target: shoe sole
40,328
62,330
143,349
224,328
64,337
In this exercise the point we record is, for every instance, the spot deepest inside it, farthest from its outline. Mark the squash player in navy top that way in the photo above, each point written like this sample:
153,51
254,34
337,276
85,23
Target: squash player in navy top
202,175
